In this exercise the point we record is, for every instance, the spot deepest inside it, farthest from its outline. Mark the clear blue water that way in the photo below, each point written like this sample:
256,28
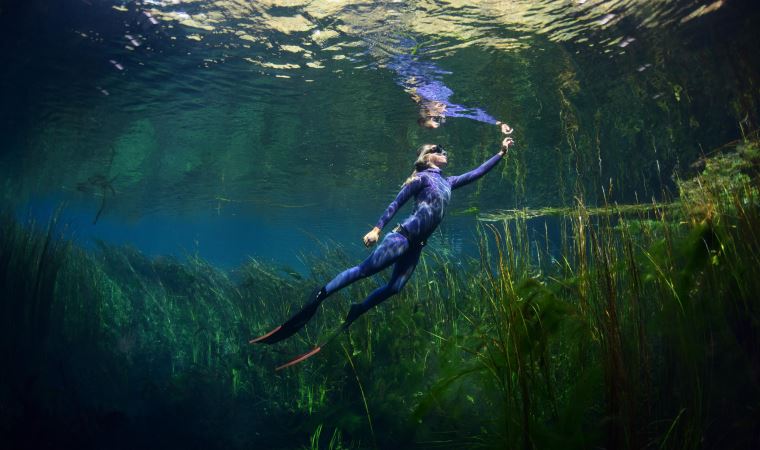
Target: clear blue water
241,129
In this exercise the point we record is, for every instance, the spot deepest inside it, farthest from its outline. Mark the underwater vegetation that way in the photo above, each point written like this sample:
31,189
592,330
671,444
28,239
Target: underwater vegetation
638,329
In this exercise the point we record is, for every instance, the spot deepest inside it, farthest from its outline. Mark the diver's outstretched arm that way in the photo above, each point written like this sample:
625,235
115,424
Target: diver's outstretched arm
407,192
458,181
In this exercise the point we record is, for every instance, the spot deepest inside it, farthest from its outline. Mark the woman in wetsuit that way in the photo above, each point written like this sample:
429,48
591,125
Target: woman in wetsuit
403,246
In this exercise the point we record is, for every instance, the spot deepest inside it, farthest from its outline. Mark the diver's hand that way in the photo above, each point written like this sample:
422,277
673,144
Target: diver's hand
506,129
505,144
371,238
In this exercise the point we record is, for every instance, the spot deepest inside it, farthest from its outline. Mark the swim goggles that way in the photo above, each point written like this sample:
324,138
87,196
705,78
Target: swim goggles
437,149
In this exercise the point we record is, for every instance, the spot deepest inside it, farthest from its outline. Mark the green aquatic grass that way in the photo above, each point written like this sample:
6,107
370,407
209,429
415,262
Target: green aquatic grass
631,288
640,331
30,263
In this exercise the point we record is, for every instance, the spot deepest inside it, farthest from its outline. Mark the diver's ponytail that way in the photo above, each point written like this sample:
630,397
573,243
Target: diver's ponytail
411,178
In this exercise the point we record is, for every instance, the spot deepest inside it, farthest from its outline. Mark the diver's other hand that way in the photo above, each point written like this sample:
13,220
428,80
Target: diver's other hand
506,129
505,144
371,238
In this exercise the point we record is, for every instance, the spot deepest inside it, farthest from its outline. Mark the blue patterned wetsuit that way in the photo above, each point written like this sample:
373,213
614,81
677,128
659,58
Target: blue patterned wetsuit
431,192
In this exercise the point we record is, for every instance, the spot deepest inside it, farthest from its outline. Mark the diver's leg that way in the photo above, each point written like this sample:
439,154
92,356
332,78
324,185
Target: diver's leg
402,271
390,249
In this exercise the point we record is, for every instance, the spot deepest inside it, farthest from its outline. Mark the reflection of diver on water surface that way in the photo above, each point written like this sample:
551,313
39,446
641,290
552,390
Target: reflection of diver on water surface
422,80
402,247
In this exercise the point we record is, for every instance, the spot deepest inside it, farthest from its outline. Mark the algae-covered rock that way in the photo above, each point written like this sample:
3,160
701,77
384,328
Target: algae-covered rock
723,180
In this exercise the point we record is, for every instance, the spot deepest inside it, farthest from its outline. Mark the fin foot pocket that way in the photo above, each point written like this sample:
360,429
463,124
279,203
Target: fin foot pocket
296,322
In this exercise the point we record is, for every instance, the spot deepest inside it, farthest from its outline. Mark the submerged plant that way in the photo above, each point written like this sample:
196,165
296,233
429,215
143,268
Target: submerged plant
626,328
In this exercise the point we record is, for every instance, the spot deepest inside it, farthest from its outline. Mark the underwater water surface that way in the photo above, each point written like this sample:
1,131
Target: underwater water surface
179,175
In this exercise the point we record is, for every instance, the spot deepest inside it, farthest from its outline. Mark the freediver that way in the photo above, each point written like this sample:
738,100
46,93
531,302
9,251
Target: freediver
403,246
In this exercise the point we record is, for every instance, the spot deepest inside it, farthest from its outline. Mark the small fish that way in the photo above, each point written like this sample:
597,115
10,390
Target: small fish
116,64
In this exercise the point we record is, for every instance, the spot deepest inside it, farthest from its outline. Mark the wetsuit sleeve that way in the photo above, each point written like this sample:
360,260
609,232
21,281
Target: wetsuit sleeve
474,114
406,192
466,178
